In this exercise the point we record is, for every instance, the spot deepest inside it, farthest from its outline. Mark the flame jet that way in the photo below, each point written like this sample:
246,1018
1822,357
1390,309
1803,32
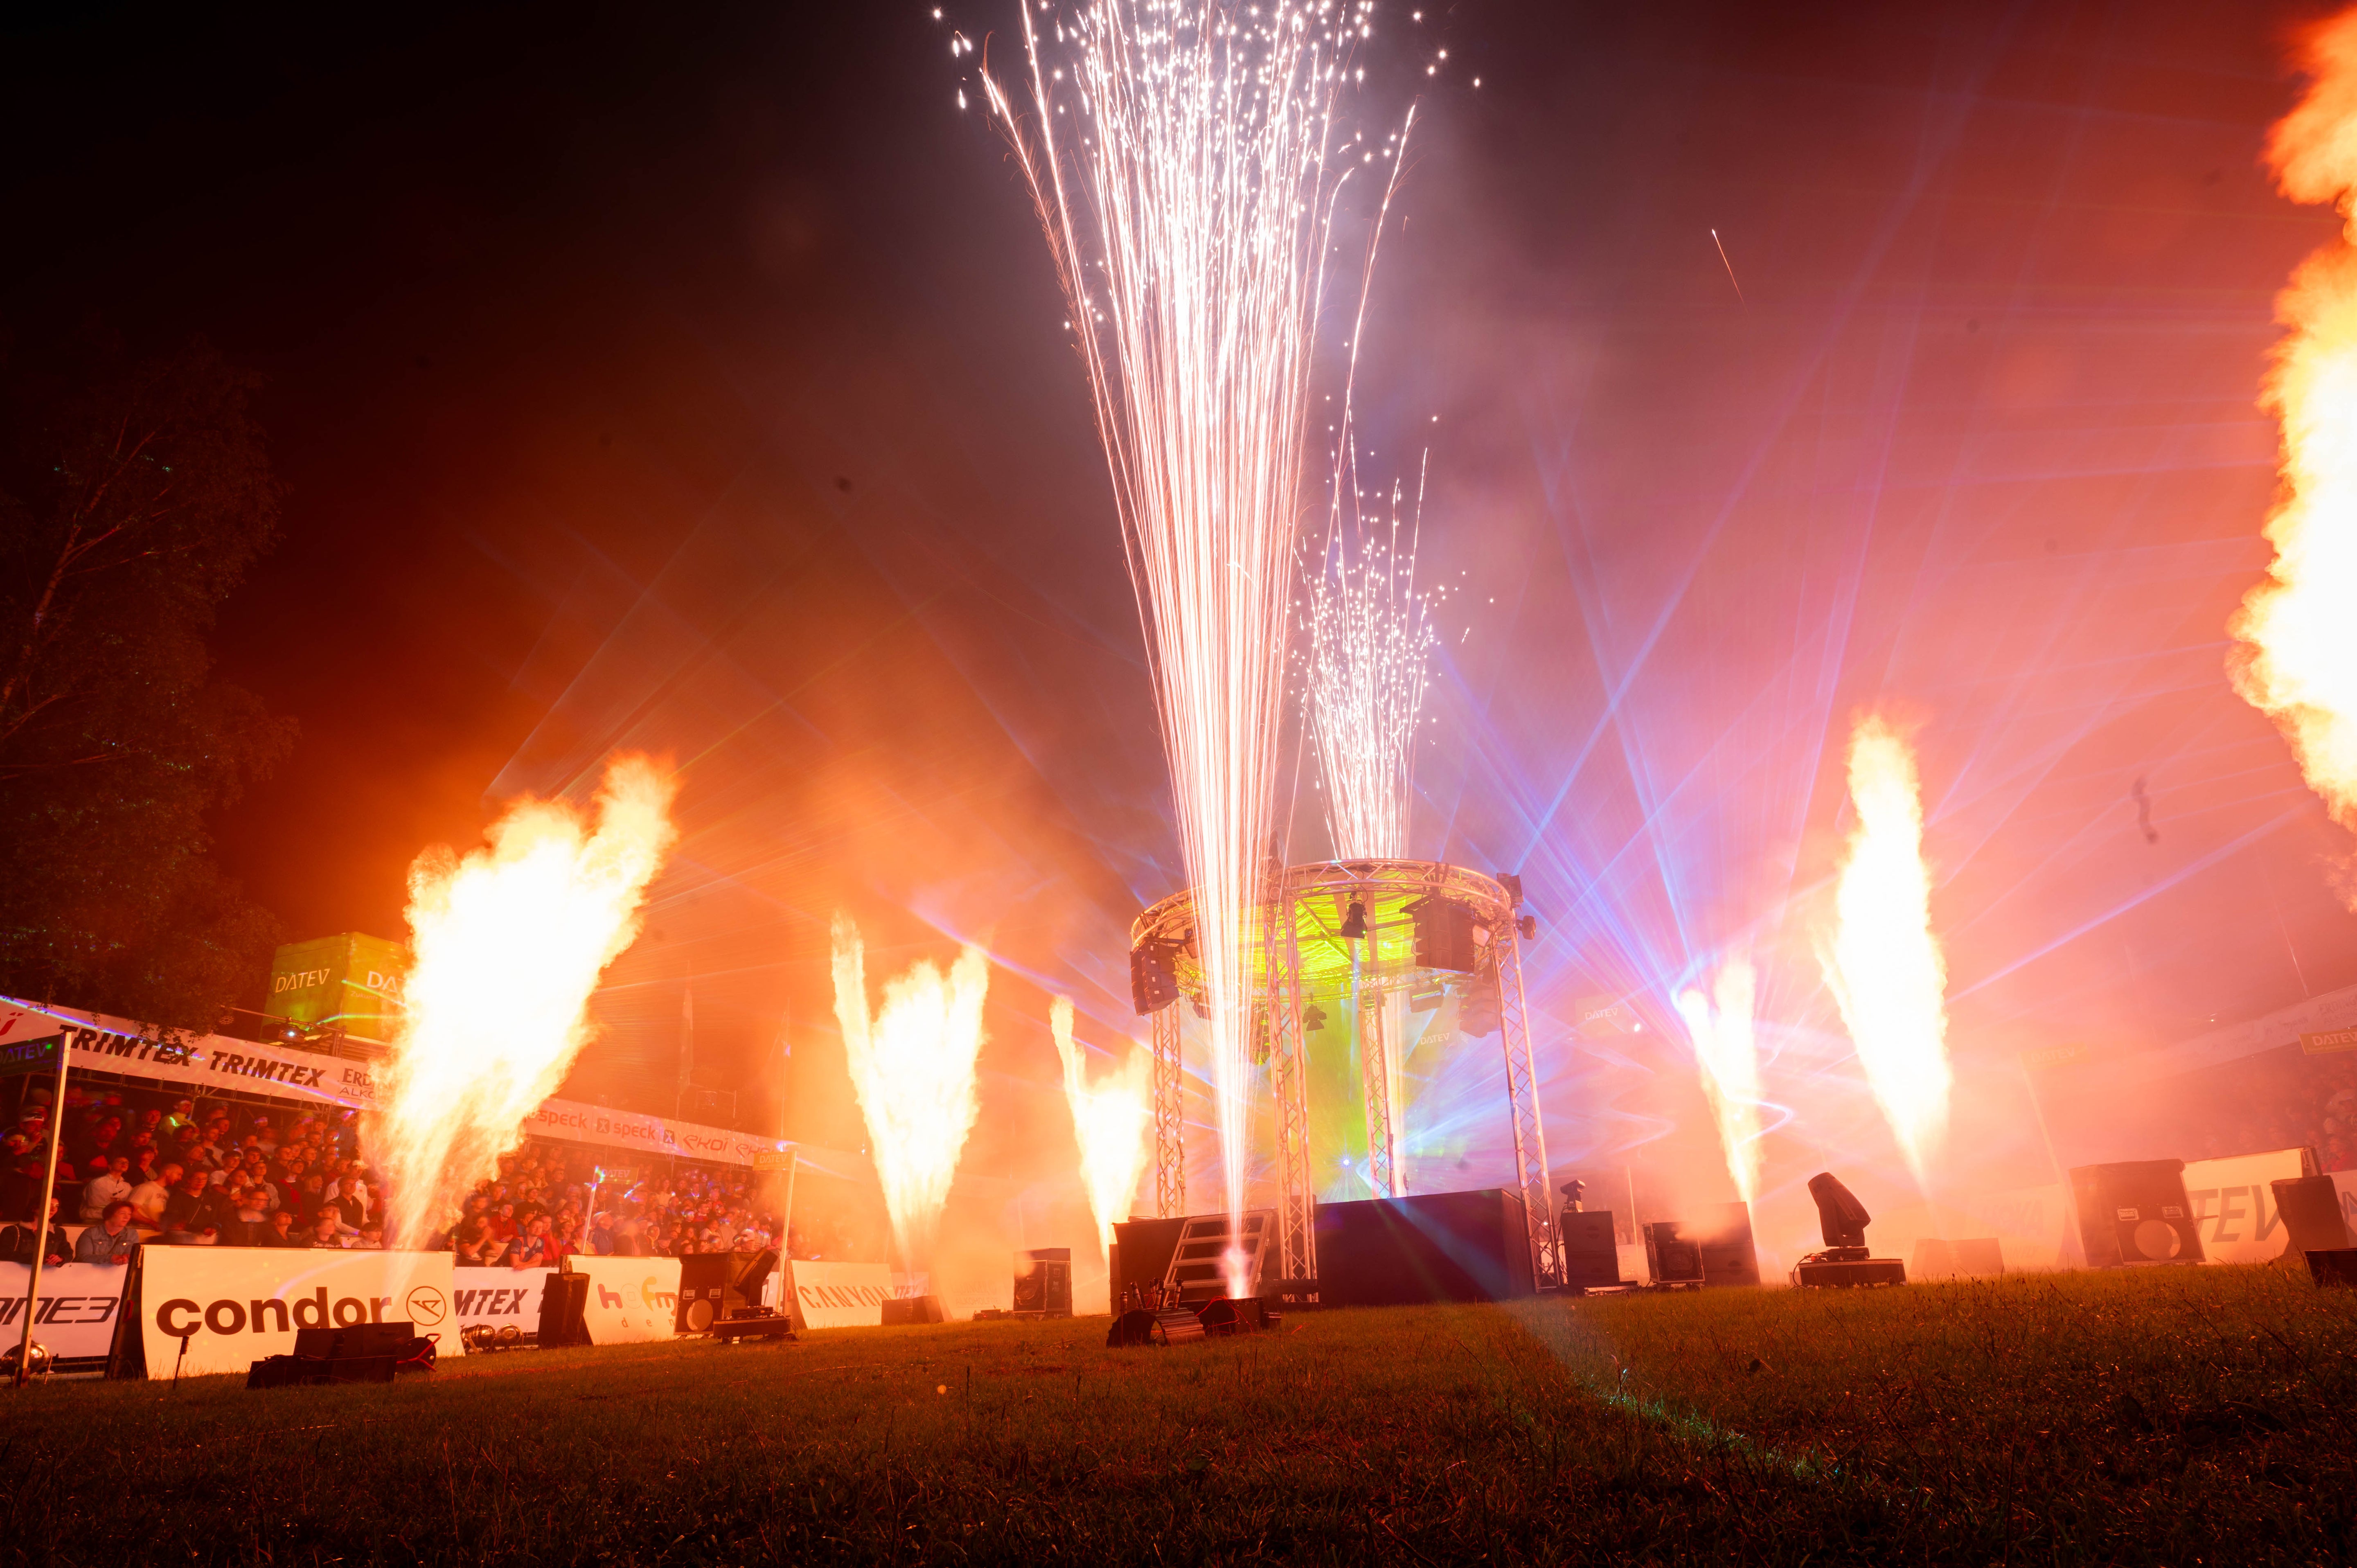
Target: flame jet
1109,1120
912,1066
1184,160
2295,653
1884,965
508,944
1728,1061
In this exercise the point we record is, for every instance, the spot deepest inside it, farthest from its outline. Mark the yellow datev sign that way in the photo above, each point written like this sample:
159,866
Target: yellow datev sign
2326,1041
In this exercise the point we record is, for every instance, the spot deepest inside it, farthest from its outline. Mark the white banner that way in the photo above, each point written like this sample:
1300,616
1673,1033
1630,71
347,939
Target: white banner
630,1299
237,1305
498,1298
2235,1205
837,1296
76,1317
217,1062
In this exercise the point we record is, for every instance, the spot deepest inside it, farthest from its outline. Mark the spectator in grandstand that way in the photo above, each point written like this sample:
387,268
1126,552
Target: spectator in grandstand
531,1249
193,1217
326,1229
113,1240
96,1138
278,1231
475,1247
109,1184
149,1198
182,1112
16,1241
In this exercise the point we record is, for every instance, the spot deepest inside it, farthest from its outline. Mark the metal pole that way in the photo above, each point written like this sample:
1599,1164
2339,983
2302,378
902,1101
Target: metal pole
42,1219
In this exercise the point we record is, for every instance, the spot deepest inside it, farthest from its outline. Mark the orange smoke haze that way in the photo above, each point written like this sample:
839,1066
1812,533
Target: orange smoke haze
912,1067
1884,964
2296,653
509,944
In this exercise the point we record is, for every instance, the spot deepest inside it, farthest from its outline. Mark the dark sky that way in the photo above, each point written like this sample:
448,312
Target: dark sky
690,378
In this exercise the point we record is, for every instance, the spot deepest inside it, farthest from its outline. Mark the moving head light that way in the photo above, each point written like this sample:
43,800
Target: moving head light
1845,1261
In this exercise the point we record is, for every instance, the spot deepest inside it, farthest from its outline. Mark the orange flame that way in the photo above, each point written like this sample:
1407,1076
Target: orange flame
1884,967
1728,1060
1108,1120
2297,654
509,943
913,1069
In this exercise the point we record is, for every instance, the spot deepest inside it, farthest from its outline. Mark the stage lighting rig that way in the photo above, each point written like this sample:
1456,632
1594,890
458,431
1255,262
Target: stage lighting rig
1843,1220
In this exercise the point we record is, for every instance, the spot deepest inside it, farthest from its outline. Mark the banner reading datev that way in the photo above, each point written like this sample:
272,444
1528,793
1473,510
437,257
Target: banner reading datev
237,1305
215,1061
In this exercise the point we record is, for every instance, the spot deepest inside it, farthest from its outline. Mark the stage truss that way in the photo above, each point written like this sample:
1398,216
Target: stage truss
1298,959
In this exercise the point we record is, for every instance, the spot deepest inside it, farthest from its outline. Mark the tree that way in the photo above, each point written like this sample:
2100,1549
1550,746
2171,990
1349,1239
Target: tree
133,499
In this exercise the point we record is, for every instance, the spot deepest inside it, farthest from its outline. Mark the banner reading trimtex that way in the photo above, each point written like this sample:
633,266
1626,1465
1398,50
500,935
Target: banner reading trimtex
215,1061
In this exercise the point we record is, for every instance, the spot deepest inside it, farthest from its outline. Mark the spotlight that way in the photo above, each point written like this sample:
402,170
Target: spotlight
1312,1019
1354,919
1528,927
1843,1220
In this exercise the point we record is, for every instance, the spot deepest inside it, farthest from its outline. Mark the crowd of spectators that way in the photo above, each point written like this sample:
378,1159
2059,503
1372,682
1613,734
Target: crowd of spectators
2279,1099
137,1167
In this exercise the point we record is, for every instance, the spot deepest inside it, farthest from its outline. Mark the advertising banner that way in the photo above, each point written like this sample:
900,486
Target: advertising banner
837,1295
2235,1205
237,1305
76,1317
216,1062
630,1299
498,1298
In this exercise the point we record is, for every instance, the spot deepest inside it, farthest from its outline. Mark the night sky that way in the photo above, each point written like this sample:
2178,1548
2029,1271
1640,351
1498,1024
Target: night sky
692,379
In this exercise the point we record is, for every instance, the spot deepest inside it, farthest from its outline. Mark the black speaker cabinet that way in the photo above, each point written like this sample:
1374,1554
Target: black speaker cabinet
1441,1246
902,1310
1142,1253
564,1302
1721,1233
1670,1258
2311,1206
702,1282
2135,1213
1043,1283
1592,1256
355,1340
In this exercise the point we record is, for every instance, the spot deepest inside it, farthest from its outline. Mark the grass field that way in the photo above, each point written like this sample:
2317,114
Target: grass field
2179,1416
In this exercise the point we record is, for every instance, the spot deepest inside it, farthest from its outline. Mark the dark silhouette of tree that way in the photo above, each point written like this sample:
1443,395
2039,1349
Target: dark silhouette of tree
133,498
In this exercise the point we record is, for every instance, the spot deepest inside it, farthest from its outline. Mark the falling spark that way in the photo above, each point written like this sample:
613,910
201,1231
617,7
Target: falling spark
508,944
1189,208
2296,657
1729,266
913,1069
1109,1120
1728,1061
1884,967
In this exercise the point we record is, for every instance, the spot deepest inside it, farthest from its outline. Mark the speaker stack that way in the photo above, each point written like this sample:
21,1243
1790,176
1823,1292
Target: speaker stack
2135,1213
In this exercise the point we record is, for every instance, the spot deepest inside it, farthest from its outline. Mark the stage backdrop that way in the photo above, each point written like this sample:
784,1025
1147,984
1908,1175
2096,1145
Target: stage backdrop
76,1317
237,1305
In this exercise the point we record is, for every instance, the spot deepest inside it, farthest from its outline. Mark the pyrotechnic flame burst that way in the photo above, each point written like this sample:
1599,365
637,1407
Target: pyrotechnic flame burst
508,944
912,1067
1109,1119
1728,1060
2296,653
1184,159
1884,966
1365,676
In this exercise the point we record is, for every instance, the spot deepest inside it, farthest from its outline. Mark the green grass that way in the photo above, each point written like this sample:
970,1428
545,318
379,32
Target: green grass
2168,1416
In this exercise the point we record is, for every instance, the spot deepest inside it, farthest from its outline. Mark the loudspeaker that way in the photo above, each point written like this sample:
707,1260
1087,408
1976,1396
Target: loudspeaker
1591,1252
2134,1213
2311,1206
357,1340
1721,1233
901,1310
1444,934
564,1302
1670,1258
702,1282
1153,980
1442,1246
1043,1282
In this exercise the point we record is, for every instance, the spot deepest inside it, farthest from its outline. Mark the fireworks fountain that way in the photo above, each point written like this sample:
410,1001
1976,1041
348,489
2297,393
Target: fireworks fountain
1185,161
912,1067
1884,964
1728,1060
1109,1120
2296,657
509,944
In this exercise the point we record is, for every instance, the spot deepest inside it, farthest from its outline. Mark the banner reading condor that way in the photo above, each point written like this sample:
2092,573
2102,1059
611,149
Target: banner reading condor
237,1305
